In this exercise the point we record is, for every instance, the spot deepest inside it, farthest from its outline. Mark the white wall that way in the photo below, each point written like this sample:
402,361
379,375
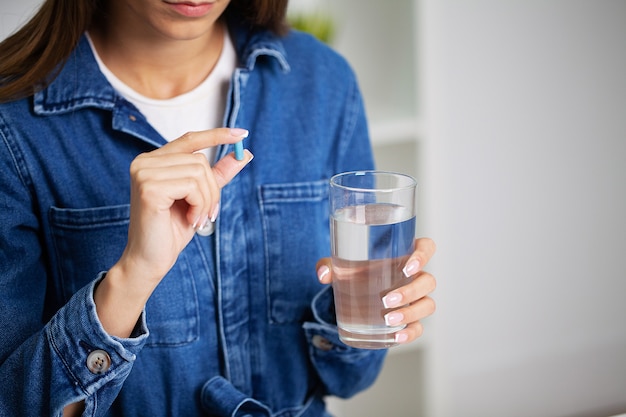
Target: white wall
525,162
14,13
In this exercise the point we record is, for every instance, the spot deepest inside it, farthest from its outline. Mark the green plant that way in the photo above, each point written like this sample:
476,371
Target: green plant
317,24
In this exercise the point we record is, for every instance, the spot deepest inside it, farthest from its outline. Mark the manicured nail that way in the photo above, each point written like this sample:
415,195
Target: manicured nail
195,222
238,132
401,337
322,272
393,319
391,300
216,212
200,222
411,268
204,224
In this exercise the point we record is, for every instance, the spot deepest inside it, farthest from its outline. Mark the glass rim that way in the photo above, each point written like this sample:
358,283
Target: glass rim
373,172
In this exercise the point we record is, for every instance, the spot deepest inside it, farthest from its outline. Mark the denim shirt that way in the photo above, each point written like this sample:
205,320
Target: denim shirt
240,326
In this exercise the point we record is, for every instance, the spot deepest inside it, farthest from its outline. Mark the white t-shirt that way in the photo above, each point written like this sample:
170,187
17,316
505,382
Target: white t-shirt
199,109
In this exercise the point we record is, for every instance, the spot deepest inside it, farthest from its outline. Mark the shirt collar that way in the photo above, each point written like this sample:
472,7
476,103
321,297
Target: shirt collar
251,45
77,85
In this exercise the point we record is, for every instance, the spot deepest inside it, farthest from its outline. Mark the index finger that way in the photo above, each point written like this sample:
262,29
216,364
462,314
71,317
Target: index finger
424,250
195,141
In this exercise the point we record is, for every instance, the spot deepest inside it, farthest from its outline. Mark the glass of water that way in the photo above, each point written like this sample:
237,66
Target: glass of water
372,230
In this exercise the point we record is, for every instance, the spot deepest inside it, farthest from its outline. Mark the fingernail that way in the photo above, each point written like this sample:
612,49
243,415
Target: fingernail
322,271
238,132
205,223
195,222
216,212
394,318
393,299
411,268
401,337
200,222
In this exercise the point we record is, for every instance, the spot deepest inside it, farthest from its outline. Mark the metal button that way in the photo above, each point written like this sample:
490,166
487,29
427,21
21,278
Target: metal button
98,361
321,343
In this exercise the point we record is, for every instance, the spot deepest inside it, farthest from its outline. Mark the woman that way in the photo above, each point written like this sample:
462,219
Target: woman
140,279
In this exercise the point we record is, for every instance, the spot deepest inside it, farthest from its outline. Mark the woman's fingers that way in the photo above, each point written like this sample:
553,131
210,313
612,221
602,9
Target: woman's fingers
192,142
416,305
410,333
222,173
198,184
226,168
413,312
423,284
411,304
424,250
408,304
159,181
324,271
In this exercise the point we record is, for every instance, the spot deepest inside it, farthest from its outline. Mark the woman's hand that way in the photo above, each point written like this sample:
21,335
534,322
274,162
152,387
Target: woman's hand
174,191
414,297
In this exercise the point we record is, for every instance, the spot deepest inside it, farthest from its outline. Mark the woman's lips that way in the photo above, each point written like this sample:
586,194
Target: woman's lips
189,9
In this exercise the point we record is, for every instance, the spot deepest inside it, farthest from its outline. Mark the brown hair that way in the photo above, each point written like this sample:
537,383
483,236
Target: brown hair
31,57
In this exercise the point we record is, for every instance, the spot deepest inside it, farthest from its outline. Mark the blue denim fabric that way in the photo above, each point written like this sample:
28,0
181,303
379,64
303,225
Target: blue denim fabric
231,329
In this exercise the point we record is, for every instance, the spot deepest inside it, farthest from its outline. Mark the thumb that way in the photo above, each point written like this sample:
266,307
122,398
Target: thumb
324,271
226,168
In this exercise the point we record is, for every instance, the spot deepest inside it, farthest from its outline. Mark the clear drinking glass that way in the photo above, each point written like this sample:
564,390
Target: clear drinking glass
372,229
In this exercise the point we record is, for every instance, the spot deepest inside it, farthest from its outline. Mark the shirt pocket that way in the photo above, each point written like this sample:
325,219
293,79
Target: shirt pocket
88,241
296,236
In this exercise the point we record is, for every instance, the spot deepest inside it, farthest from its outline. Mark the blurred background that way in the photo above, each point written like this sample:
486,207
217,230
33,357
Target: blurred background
512,116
